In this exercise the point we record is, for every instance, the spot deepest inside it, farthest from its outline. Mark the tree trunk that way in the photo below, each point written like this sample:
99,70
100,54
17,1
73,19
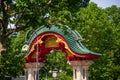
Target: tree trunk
3,38
2,45
2,52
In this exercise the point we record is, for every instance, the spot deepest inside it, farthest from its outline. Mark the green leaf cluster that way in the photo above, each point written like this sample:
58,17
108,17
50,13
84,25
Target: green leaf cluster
101,30
56,59
12,63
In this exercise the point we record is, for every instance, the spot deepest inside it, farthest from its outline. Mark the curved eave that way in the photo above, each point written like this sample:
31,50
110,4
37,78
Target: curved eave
88,57
75,53
75,46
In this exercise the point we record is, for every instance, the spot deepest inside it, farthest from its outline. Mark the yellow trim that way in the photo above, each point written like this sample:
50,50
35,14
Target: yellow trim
33,56
70,52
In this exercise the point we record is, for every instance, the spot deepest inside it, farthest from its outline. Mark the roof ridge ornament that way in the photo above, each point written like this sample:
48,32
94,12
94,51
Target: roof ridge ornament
79,39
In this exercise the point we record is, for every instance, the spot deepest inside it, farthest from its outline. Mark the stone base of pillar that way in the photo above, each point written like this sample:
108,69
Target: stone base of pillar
30,70
80,69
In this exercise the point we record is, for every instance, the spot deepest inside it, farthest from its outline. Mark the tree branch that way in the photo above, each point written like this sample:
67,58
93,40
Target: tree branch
27,24
49,2
3,12
23,27
19,28
1,21
14,14
19,20
4,19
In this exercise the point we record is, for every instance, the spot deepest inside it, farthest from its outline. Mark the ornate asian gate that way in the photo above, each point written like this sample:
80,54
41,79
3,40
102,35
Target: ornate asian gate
44,39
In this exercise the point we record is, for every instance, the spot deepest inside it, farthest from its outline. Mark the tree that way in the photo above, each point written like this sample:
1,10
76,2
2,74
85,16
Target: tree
101,30
17,15
21,13
56,60
12,63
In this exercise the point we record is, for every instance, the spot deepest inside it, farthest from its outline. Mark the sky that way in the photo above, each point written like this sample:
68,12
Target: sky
106,3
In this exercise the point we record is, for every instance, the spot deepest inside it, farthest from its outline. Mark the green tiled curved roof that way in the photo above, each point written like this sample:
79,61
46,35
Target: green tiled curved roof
68,34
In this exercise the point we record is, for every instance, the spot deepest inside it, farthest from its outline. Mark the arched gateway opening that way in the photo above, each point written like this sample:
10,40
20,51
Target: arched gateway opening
43,40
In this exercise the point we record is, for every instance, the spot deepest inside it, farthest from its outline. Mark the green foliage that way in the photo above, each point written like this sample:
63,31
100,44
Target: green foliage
23,14
12,63
56,59
101,30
